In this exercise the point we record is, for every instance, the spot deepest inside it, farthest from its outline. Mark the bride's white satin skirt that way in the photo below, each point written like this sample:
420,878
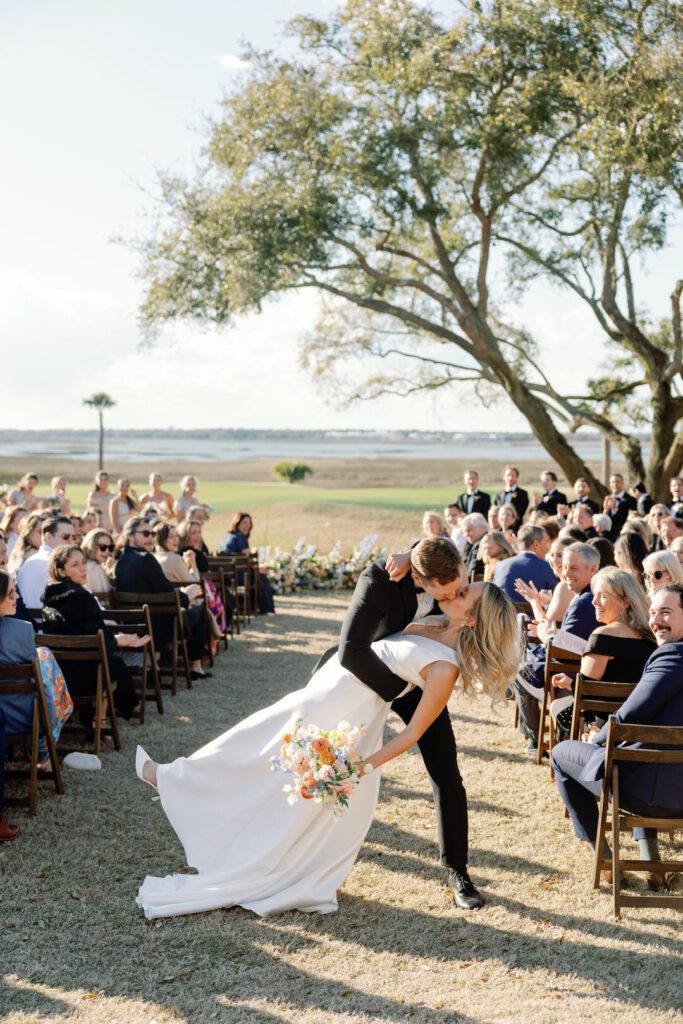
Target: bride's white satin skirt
250,847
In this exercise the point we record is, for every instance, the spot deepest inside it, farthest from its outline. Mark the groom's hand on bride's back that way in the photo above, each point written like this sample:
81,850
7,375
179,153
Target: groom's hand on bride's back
398,565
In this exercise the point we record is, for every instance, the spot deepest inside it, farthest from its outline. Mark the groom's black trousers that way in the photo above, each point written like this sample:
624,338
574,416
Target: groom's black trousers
437,746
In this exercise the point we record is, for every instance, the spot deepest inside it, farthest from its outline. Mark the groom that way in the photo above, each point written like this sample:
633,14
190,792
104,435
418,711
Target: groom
378,608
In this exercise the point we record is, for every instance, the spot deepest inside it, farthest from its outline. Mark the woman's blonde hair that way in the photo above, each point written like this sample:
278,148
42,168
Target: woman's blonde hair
185,482
664,560
638,525
433,515
9,515
23,546
489,651
625,587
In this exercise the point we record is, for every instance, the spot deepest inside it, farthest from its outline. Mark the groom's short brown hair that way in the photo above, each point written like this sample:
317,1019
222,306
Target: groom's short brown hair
437,559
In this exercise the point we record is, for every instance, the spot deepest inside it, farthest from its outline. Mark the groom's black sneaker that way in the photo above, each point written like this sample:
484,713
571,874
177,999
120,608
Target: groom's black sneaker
464,893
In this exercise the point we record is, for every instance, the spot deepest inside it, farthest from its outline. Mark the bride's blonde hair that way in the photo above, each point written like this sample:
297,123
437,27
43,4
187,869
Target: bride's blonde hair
489,651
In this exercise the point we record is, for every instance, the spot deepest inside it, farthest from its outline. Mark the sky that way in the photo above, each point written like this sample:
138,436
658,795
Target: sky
95,98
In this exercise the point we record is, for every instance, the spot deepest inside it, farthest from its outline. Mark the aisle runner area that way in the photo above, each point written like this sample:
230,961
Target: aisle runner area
545,947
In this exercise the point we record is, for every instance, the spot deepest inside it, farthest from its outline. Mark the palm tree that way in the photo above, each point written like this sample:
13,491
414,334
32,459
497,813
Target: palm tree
100,401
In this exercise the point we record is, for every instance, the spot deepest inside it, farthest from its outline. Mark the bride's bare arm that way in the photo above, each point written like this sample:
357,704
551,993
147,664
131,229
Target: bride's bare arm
440,678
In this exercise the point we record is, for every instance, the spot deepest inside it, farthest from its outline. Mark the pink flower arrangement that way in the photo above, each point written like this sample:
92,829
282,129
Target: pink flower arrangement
325,764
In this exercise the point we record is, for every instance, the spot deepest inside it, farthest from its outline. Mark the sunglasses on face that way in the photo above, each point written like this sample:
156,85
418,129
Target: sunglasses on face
106,547
145,533
657,575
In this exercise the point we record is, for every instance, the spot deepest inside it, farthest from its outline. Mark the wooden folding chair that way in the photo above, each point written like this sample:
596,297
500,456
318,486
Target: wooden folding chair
255,581
162,605
91,648
138,622
241,571
556,660
26,679
664,745
217,578
596,695
103,597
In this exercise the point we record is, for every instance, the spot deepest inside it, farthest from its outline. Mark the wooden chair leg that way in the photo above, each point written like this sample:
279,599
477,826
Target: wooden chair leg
111,712
616,860
143,687
55,772
540,746
600,836
33,774
186,662
156,681
98,712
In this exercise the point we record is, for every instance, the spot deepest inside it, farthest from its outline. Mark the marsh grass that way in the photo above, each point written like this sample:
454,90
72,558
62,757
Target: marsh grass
545,948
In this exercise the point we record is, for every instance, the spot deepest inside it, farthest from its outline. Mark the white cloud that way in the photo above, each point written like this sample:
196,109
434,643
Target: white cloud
232,62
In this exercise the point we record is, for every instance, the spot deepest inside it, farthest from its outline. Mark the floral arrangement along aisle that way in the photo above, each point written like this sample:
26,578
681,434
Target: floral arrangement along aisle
306,568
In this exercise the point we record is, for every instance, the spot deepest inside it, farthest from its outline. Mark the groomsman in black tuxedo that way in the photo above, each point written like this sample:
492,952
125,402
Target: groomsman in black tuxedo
551,497
582,491
618,504
512,494
382,605
473,500
676,506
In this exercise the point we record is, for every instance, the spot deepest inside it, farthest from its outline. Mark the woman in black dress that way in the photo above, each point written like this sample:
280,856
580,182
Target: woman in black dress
618,649
71,610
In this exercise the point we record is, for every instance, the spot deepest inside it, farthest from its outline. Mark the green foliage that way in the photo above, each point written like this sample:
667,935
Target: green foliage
292,472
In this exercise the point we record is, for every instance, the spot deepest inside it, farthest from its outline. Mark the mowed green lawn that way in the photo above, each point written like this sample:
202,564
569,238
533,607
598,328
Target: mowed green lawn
285,512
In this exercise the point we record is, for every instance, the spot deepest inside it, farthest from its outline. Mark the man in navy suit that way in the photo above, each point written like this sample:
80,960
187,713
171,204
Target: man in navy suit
580,562
473,500
512,494
649,789
529,565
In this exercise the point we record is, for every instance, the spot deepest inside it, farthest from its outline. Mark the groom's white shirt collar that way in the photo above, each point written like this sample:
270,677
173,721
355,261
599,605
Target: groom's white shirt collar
425,603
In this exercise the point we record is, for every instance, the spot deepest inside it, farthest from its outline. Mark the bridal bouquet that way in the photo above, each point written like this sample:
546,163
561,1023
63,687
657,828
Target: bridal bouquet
325,764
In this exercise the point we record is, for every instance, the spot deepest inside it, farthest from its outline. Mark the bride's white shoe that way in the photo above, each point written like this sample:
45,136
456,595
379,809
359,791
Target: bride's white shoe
141,759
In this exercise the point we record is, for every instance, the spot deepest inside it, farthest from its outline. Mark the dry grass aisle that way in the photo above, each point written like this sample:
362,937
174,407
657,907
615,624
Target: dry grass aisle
544,949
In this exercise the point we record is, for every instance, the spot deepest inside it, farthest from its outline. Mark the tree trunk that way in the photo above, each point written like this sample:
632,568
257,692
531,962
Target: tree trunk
101,440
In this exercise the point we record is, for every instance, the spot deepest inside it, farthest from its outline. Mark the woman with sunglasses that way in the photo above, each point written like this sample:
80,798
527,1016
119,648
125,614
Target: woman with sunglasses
98,548
654,520
661,567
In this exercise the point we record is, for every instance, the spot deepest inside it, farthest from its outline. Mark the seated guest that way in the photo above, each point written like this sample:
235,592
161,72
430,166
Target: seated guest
122,505
58,501
637,525
676,503
629,553
77,524
548,606
138,572
91,520
650,789
508,519
98,548
3,553
529,565
605,548
676,548
33,575
235,542
602,524
28,543
187,498
494,548
199,512
657,514
473,500
619,647
579,565
192,546
18,647
618,504
582,517
71,610
12,518
474,526
453,514
100,499
156,499
573,533
8,831
551,497
492,517
643,500
23,494
670,528
512,494
660,568
582,491
433,525
176,568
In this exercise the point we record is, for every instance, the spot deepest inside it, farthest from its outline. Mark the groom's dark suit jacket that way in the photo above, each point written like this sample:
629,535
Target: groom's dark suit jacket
378,608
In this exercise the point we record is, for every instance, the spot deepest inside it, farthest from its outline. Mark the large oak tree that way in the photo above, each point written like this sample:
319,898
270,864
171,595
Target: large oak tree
419,173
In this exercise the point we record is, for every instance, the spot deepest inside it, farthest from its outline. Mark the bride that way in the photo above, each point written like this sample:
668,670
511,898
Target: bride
253,849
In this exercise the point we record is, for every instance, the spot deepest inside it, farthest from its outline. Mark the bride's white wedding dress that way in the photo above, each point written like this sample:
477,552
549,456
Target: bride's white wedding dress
251,848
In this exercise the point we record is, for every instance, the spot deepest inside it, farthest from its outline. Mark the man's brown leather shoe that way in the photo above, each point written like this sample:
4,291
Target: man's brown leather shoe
7,831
